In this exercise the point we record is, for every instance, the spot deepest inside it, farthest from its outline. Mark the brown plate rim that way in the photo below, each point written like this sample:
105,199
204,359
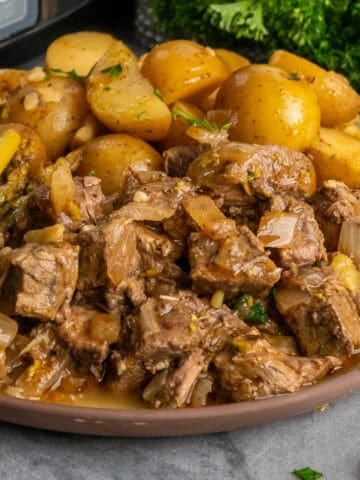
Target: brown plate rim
189,421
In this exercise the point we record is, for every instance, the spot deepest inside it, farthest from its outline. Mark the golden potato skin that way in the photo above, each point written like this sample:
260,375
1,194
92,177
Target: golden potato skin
180,69
77,51
126,102
110,156
270,107
339,102
232,60
32,149
336,156
177,132
55,108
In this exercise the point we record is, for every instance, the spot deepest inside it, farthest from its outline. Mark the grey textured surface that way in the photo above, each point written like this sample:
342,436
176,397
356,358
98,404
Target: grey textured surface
327,441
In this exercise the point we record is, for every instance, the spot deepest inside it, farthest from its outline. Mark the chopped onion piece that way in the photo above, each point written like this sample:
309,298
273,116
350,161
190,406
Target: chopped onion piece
54,233
276,229
349,241
8,330
349,273
217,299
208,217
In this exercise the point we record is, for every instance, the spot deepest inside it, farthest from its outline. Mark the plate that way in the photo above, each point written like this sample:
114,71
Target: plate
187,421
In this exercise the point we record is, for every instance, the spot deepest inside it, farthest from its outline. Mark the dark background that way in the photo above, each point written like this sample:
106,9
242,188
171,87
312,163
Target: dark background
113,16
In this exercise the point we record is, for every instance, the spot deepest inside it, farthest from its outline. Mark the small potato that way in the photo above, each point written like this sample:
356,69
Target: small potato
55,108
339,102
31,151
122,99
336,156
77,51
177,132
232,60
270,107
110,156
180,69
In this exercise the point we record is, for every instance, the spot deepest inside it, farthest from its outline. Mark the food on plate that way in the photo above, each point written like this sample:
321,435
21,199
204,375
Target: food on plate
270,107
183,233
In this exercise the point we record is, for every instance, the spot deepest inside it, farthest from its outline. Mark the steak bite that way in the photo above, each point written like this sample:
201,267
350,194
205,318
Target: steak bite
259,371
127,259
334,203
165,330
289,228
38,280
87,334
225,257
320,312
261,170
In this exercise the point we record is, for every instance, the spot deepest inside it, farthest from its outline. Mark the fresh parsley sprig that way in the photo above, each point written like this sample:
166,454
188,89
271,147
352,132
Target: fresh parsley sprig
308,473
199,122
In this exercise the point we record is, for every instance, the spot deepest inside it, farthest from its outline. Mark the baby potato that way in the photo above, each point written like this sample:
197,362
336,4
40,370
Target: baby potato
55,108
232,60
177,132
181,68
270,107
339,102
336,156
77,51
110,156
122,99
31,150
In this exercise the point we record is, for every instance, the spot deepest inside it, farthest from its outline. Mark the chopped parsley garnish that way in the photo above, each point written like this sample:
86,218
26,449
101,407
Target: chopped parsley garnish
114,70
294,76
199,122
92,173
70,73
256,314
107,88
158,94
308,473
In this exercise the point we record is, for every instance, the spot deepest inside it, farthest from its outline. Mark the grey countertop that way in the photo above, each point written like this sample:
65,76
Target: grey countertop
329,442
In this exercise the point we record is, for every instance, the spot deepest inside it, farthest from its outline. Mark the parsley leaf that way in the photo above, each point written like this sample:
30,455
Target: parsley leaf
158,94
114,70
307,473
70,73
294,76
199,122
256,314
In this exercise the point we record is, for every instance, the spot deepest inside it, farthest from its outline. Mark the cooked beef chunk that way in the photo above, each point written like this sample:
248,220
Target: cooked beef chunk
306,245
38,279
333,203
158,199
90,198
262,170
237,264
173,389
88,333
166,329
259,371
177,159
236,204
320,312
129,260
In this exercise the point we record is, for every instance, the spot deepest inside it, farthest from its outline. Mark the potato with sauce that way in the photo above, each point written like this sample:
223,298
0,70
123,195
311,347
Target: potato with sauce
55,108
270,107
110,156
339,102
122,99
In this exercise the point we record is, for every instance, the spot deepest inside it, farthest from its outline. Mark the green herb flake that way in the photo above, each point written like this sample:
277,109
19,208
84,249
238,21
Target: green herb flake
107,88
92,173
158,94
294,76
242,300
70,73
114,70
257,315
307,473
199,122
140,114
